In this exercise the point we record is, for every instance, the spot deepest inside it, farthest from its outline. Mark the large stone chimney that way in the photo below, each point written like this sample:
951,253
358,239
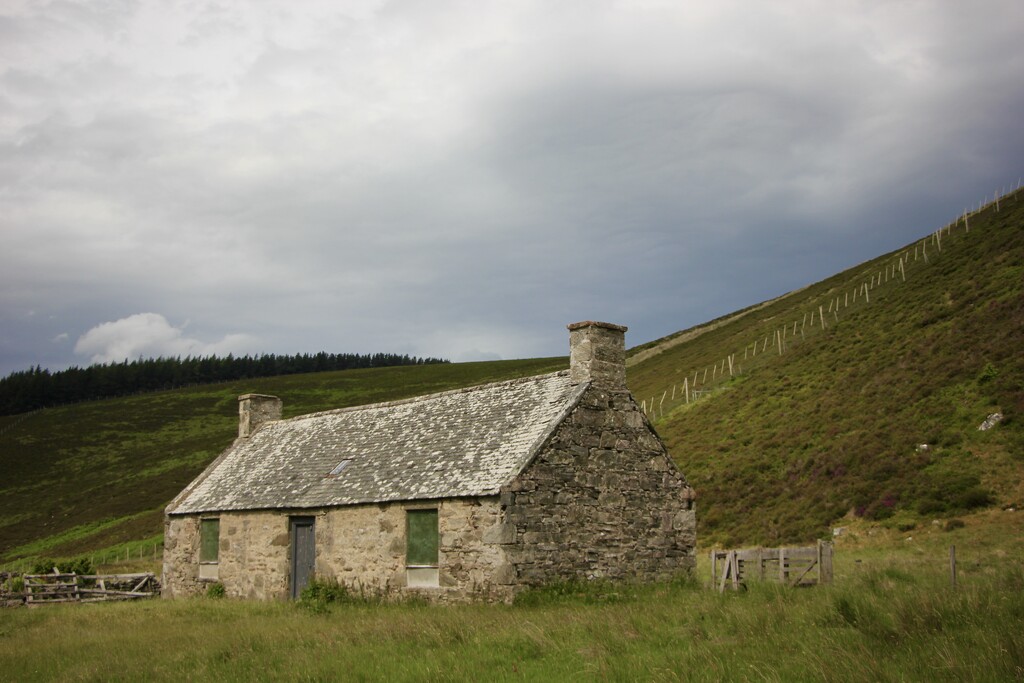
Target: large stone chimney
597,354
254,410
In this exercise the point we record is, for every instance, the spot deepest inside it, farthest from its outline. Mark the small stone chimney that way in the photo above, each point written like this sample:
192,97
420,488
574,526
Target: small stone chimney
597,354
254,410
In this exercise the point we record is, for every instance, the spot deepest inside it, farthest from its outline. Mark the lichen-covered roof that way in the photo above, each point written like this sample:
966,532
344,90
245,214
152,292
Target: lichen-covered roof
458,443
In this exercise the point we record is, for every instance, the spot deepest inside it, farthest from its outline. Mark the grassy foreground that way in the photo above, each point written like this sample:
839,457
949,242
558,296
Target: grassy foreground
890,616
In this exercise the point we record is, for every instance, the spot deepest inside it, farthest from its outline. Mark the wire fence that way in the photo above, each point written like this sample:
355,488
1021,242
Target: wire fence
819,316
131,553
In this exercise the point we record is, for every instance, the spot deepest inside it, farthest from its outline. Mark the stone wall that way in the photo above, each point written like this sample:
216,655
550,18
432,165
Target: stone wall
362,546
602,499
253,555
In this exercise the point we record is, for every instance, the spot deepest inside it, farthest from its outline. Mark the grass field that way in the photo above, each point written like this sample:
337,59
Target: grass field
890,616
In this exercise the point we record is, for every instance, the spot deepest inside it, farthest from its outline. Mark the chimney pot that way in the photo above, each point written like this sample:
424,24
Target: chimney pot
597,354
256,409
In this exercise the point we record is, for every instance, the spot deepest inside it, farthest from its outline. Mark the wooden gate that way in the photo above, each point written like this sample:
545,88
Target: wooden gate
44,589
804,566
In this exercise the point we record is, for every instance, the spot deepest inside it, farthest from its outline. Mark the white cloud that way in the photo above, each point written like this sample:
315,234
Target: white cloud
149,335
60,338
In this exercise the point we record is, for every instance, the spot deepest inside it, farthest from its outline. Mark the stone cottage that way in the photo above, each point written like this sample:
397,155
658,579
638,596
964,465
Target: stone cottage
468,494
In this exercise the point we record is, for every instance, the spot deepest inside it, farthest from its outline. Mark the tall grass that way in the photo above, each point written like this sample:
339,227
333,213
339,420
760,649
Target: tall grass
888,619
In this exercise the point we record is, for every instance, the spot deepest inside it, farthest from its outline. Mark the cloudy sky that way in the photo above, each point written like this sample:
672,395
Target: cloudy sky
463,178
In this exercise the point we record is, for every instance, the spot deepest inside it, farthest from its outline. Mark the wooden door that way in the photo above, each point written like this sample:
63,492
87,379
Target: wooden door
303,553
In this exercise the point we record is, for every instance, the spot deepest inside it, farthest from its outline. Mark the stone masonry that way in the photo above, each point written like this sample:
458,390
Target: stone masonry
361,546
602,500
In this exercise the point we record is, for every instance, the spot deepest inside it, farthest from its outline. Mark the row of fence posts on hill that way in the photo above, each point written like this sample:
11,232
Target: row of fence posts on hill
144,552
140,553
817,319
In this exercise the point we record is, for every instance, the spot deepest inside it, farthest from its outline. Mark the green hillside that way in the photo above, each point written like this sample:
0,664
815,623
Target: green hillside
802,419
834,425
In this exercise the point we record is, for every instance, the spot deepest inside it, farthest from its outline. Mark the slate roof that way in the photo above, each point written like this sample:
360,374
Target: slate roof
458,443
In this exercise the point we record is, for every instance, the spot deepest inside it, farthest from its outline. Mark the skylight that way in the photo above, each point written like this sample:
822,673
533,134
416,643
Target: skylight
341,466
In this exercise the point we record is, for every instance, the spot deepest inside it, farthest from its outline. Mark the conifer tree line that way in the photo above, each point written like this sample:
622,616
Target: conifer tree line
37,387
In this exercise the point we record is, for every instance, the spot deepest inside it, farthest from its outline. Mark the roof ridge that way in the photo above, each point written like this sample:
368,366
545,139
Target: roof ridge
427,397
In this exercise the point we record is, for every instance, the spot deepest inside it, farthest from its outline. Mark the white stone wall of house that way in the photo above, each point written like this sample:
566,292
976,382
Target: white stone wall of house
181,557
364,547
253,560
361,546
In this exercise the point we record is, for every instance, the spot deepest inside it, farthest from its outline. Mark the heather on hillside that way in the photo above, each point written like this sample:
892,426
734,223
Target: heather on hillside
873,412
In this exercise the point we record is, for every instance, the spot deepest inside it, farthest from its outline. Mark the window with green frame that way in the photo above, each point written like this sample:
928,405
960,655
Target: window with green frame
209,540
421,538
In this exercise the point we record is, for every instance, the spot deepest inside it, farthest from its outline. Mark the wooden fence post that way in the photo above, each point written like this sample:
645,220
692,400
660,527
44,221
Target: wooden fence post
952,566
824,561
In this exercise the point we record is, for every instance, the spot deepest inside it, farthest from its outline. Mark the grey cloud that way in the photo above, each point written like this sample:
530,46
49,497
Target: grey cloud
455,179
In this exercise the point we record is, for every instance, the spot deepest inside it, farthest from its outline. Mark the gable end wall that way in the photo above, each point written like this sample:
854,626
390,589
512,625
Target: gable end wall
602,499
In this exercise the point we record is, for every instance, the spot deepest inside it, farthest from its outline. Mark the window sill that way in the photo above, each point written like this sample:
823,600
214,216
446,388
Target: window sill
422,577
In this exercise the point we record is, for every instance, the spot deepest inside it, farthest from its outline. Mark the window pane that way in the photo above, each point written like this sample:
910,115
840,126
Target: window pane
209,540
421,538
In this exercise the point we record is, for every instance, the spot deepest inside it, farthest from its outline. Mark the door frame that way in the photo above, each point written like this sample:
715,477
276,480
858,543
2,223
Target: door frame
294,524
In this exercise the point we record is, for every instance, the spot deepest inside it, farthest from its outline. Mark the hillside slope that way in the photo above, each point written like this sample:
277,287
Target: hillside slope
835,424
90,475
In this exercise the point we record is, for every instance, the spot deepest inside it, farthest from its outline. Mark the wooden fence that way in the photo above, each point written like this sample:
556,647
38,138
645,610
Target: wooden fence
44,589
804,566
